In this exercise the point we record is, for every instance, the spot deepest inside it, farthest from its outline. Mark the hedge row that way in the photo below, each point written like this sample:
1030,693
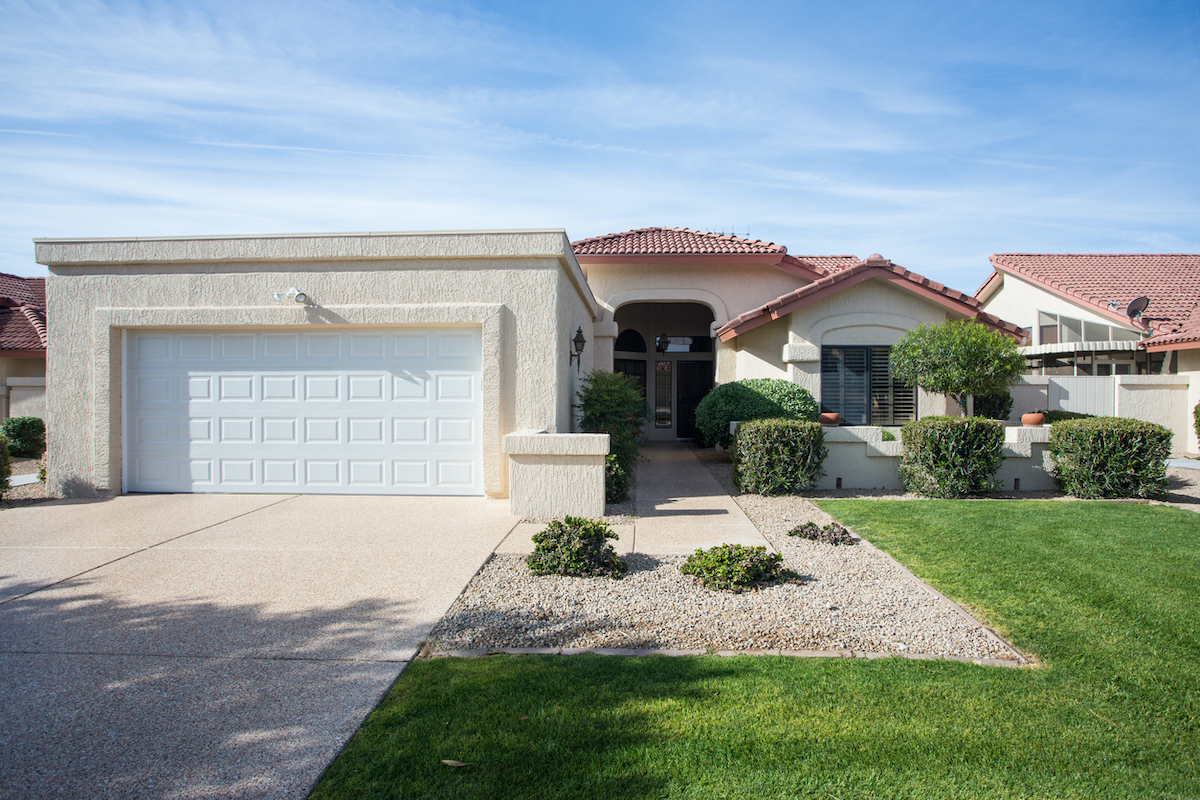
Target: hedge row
1110,457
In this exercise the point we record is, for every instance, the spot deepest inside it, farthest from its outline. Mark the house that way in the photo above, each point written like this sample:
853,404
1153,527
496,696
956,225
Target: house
441,363
22,346
1127,358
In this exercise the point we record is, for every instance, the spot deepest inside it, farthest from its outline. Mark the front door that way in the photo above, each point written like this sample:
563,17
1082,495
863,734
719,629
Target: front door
694,382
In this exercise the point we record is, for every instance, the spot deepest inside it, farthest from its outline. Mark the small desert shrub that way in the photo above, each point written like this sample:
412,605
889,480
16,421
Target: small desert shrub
951,456
751,398
1110,457
778,456
735,567
26,436
1196,419
832,533
5,465
575,546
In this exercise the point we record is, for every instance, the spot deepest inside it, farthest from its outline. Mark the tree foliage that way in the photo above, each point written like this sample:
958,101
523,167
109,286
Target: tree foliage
958,358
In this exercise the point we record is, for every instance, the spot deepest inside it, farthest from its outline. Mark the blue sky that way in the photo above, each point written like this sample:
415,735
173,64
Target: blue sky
934,133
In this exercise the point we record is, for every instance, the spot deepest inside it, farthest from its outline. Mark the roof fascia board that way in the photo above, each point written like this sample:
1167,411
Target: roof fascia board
23,353
990,286
1162,348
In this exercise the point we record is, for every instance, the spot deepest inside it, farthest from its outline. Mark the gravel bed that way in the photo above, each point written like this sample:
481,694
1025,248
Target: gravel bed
850,598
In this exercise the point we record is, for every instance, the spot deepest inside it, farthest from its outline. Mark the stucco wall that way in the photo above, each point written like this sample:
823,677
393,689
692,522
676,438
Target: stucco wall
1189,367
871,313
523,303
1018,301
728,289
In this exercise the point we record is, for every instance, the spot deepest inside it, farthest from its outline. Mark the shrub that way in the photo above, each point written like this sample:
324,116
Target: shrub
575,546
1058,416
26,436
957,358
833,533
778,456
735,568
887,435
1196,419
614,404
616,480
5,465
996,405
951,456
1110,457
751,398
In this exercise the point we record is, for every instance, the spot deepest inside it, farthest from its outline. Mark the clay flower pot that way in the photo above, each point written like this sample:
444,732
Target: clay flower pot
1033,419
831,418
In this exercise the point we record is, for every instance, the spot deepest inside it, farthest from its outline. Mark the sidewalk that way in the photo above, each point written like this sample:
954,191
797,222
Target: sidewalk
680,507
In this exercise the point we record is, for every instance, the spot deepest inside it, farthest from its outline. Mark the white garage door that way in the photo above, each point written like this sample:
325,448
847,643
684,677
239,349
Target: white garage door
353,411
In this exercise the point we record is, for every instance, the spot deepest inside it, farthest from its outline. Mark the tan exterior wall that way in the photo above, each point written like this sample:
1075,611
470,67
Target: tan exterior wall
22,399
728,289
523,289
871,313
1019,301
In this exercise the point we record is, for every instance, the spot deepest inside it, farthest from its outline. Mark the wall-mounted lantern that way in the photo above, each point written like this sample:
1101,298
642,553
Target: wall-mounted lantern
578,343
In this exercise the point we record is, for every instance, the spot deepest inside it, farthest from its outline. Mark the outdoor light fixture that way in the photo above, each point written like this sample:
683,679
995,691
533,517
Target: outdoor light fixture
293,294
578,342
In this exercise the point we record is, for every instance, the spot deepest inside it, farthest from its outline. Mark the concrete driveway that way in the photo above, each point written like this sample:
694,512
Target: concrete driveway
210,646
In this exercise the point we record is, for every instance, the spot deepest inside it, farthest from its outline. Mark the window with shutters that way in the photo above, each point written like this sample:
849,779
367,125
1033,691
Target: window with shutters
857,383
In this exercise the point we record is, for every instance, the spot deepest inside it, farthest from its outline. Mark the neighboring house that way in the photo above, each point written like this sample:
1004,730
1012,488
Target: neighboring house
22,346
1077,308
424,363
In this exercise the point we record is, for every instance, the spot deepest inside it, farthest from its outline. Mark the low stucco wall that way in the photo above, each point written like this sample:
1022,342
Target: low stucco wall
860,458
27,397
553,475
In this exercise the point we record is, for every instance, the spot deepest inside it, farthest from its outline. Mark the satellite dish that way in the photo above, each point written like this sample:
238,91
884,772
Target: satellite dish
1137,306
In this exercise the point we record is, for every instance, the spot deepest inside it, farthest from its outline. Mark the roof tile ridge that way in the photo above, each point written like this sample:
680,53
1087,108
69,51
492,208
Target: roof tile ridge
37,322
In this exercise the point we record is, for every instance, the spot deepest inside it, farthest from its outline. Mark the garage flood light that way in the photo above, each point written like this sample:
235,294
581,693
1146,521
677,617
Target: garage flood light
293,294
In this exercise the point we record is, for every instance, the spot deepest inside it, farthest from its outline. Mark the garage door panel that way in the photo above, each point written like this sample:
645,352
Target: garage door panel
372,411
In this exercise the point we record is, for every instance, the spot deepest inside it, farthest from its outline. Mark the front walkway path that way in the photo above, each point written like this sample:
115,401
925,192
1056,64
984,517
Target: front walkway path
680,507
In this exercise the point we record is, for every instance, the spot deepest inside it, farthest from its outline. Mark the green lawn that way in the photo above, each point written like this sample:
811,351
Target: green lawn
1104,594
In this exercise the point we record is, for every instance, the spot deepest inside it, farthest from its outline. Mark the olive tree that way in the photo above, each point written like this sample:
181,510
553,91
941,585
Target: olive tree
958,358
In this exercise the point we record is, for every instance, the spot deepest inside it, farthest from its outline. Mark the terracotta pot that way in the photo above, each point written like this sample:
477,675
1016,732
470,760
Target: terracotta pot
831,418
1033,419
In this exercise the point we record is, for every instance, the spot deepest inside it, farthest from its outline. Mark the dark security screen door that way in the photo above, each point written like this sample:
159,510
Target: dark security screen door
694,382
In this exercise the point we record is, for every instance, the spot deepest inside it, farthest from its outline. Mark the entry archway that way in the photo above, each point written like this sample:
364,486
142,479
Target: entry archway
668,348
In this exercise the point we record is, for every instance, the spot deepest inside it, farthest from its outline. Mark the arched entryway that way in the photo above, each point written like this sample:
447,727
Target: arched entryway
668,349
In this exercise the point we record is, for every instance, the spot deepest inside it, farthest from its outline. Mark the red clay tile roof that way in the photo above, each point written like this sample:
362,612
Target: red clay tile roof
22,313
671,241
1170,280
874,266
25,291
831,263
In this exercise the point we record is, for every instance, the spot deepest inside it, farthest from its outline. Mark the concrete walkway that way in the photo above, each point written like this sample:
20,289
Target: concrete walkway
680,507
214,646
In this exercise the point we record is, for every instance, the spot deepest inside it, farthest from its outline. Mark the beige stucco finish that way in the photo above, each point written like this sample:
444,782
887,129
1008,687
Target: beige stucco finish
524,289
552,475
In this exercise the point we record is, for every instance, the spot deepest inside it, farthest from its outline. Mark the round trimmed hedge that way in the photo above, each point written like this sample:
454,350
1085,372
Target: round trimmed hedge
747,399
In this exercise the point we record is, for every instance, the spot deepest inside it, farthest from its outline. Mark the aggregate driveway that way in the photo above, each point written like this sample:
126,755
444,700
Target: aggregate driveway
211,646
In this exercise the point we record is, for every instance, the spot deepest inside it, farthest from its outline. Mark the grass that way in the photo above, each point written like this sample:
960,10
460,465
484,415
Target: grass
1104,594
